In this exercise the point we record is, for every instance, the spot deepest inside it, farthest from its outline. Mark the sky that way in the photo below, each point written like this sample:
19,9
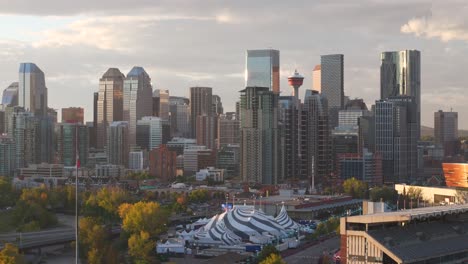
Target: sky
203,42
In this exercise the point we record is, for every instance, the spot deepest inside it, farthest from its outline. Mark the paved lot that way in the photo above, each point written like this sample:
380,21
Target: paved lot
312,254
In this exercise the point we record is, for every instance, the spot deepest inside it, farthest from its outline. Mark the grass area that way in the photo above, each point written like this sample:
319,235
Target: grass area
6,225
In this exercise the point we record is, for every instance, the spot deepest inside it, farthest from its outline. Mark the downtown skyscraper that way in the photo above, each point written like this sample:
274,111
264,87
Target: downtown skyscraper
332,84
32,90
109,103
262,69
446,132
260,155
400,74
201,103
137,100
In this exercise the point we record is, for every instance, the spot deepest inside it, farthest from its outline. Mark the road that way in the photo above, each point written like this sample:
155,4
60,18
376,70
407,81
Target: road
313,253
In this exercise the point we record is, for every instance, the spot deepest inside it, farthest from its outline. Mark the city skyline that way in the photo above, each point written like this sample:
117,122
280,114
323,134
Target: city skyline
220,64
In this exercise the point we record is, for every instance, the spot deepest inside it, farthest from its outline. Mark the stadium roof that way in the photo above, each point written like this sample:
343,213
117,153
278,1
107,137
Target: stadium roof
409,215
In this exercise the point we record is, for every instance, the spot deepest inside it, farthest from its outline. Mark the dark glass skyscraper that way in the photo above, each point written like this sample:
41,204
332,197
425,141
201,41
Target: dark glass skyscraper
10,95
332,84
32,91
262,69
400,74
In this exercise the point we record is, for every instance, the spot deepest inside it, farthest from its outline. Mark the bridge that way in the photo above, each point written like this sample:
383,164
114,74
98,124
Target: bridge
39,239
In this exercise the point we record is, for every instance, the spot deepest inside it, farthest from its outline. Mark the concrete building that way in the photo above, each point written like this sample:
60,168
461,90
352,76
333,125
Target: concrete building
262,69
73,115
206,131
228,158
42,170
198,157
117,143
179,144
32,90
228,130
68,145
422,235
433,195
260,153
110,171
179,108
211,173
137,100
400,75
446,132
201,103
136,160
109,104
7,156
149,132
396,138
332,84
162,164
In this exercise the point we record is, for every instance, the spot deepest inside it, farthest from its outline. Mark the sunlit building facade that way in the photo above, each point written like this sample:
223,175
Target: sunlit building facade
456,174
262,69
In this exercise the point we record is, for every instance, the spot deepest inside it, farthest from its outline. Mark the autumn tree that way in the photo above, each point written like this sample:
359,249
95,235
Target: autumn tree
105,203
143,216
355,188
273,259
140,247
10,255
266,252
94,241
7,194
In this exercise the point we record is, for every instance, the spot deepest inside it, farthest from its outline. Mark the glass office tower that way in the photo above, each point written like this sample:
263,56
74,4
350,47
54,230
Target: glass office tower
332,84
262,69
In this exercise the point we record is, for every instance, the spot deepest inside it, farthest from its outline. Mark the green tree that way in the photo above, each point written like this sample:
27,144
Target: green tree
355,188
273,259
10,255
7,194
143,216
387,194
105,203
199,196
266,252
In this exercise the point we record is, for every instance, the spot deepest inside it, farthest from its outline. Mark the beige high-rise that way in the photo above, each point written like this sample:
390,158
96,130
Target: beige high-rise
109,104
317,78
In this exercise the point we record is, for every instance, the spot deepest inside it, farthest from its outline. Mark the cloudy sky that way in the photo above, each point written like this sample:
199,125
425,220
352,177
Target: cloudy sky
187,43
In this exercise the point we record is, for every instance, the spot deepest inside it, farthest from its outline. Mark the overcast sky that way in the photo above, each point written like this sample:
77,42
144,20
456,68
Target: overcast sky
188,43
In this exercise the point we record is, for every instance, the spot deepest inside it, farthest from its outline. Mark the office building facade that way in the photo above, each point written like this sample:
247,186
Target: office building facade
117,143
162,163
201,103
71,139
446,132
332,84
10,95
32,90
149,132
109,104
73,115
7,156
179,108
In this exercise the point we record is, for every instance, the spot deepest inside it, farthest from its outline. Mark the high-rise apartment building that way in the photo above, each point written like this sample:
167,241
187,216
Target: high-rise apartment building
73,115
7,156
318,136
446,131
32,91
317,78
10,95
137,100
260,153
179,108
262,69
149,132
228,130
22,127
400,74
332,84
93,128
396,138
201,103
117,143
44,134
109,104
72,139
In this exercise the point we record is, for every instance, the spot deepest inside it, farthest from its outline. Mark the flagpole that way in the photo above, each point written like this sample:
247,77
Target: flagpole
76,192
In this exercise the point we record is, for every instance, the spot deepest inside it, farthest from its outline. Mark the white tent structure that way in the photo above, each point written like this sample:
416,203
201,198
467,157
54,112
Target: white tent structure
244,223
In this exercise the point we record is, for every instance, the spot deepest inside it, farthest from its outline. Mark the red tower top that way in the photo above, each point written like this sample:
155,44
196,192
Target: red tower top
296,79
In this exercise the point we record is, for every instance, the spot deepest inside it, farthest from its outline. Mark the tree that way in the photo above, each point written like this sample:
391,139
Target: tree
7,193
198,196
105,203
461,196
144,216
140,246
266,252
387,194
355,188
93,239
10,255
273,259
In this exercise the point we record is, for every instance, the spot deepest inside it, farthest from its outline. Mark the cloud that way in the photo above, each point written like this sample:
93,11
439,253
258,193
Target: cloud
445,22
